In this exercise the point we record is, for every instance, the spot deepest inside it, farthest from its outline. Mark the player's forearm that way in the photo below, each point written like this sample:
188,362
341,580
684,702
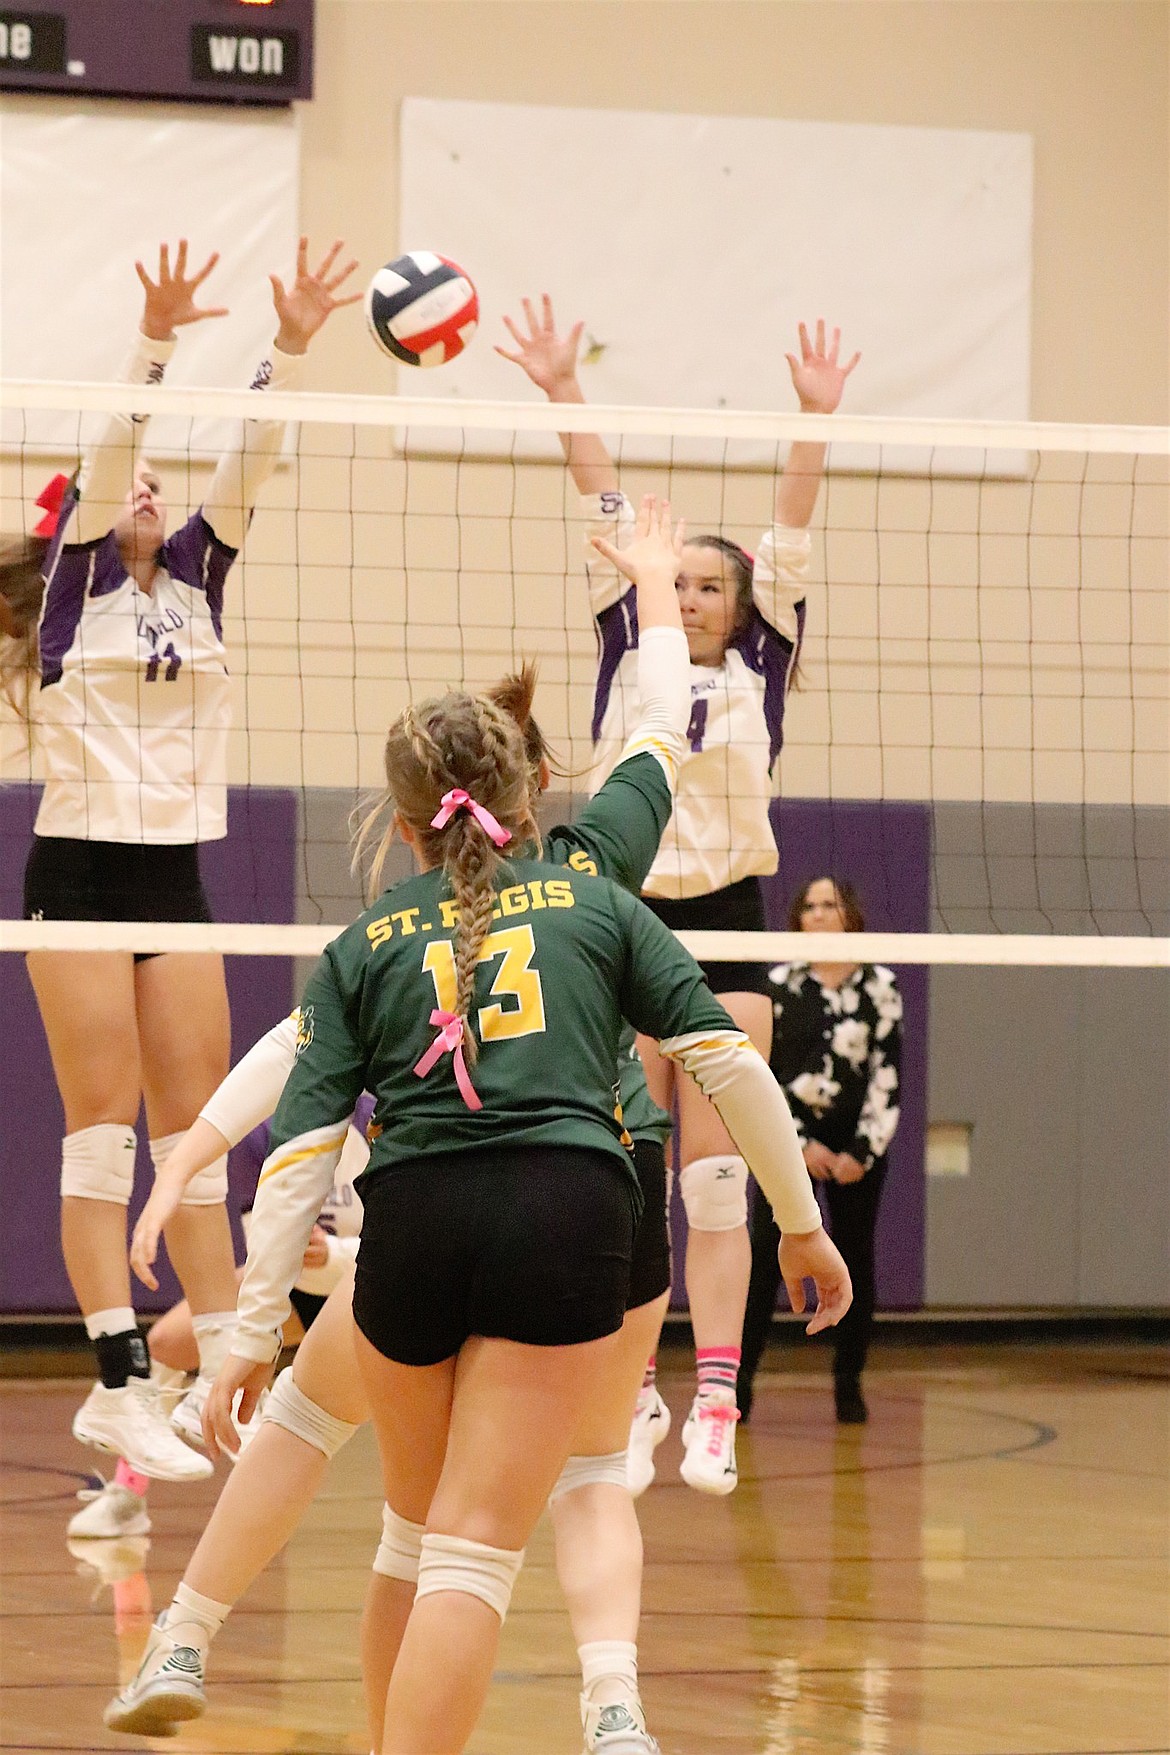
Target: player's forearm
664,697
751,1104
252,1089
107,472
590,464
294,1182
248,462
799,485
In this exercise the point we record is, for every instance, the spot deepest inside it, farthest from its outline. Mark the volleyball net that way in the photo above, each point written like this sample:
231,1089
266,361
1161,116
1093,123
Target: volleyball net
979,738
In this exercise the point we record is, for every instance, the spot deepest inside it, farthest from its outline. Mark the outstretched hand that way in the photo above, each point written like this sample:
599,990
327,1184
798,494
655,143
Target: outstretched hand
303,307
817,378
655,554
814,1256
236,1375
549,359
170,300
160,1209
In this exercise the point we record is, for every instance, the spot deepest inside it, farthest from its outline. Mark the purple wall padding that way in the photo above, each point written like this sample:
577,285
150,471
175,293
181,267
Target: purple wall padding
884,850
249,876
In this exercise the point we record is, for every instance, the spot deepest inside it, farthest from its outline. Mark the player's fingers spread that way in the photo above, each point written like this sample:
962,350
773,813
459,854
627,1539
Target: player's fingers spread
821,336
805,343
144,277
834,345
547,311
533,327
164,261
328,259
847,369
198,279
795,1287
181,259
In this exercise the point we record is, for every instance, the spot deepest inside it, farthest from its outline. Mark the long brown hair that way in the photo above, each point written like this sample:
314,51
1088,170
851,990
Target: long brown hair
22,591
468,741
847,898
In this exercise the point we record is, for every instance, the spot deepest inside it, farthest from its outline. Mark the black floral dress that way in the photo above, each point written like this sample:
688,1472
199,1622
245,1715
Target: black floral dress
837,1052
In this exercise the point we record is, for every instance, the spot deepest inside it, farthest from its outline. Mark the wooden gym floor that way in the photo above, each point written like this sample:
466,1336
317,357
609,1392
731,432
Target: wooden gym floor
983,1570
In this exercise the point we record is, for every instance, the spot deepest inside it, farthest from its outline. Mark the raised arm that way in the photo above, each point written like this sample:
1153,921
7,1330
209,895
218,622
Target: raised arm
550,360
301,311
819,381
107,472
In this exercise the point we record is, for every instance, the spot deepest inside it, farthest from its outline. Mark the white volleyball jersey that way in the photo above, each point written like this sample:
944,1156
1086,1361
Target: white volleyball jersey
133,709
720,830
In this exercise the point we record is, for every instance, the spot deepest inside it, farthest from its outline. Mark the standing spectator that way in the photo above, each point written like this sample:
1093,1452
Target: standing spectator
836,1050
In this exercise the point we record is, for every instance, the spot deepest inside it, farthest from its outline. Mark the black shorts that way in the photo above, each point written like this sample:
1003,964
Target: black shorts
308,1306
531,1246
66,879
650,1263
738,907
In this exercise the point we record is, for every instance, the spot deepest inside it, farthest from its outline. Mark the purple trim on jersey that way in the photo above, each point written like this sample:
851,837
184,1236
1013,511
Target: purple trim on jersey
617,633
65,591
195,556
363,1112
773,657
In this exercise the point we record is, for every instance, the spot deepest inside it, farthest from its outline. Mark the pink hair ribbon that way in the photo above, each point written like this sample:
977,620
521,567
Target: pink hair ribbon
51,498
449,1041
458,799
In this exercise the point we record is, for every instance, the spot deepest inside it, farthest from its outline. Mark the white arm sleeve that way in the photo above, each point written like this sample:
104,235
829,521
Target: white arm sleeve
612,516
246,465
739,1082
664,696
780,577
107,473
252,1089
294,1183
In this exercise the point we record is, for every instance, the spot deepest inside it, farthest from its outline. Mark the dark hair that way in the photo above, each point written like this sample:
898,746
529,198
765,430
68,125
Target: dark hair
22,591
846,896
742,567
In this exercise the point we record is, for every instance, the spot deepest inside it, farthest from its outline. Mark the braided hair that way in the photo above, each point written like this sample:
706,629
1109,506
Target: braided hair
467,741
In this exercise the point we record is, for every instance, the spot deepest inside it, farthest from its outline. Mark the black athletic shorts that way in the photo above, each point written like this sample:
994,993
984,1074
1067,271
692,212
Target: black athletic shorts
67,879
737,908
531,1246
308,1306
650,1264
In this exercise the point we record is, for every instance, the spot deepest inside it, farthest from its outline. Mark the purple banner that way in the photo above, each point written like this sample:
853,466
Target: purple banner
248,876
884,851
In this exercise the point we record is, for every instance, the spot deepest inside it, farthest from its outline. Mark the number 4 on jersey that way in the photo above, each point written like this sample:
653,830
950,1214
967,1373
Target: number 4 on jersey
698,724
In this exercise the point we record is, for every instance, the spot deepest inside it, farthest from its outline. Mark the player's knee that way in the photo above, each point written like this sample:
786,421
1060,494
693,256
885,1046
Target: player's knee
97,1163
207,1188
714,1192
473,1568
400,1548
591,1471
291,1408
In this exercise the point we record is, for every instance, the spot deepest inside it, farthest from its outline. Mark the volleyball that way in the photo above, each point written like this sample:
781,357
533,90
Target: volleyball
422,308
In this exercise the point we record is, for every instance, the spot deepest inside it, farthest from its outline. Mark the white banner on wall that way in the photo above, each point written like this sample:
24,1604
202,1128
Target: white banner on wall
86,189
693,245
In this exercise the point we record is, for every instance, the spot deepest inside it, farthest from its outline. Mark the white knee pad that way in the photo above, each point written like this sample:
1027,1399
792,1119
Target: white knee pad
400,1547
454,1563
97,1163
714,1192
587,1471
291,1408
207,1188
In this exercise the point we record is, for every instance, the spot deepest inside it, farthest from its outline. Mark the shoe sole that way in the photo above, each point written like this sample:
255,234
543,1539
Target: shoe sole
154,1714
99,1441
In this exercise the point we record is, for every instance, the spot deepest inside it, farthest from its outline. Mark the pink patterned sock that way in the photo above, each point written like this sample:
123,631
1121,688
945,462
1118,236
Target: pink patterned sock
125,1476
651,1373
718,1369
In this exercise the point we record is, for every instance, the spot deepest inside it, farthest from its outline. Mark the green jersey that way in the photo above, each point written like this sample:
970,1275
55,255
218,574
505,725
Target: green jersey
568,958
617,836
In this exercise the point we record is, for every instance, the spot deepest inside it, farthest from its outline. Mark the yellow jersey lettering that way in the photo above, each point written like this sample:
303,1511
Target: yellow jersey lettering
378,931
449,913
560,893
514,900
406,918
580,861
536,891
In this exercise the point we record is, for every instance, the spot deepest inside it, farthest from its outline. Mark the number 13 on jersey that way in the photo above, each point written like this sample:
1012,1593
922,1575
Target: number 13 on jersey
515,980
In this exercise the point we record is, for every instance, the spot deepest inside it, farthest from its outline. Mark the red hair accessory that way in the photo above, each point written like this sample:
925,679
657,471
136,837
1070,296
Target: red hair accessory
51,499
456,800
449,1041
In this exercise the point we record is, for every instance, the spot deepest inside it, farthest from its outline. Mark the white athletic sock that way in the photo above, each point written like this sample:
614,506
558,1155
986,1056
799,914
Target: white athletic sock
612,1659
213,1336
193,1619
110,1322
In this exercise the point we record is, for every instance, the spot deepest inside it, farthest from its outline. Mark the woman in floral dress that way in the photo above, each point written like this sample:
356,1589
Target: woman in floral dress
836,1050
